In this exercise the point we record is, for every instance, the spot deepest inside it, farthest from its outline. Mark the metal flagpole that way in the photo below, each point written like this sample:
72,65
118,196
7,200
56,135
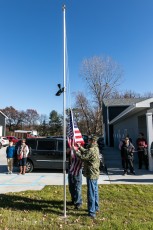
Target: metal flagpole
64,108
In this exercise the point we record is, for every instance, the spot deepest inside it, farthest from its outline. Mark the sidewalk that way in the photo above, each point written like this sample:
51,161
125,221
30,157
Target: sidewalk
115,172
38,179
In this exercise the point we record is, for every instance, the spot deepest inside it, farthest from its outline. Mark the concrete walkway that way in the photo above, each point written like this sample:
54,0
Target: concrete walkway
115,172
38,179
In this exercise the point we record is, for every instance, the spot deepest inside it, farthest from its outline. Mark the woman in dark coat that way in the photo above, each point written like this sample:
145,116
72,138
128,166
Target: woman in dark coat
127,153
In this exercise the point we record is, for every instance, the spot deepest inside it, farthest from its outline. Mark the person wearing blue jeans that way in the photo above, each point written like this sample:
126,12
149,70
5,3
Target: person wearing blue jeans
75,179
91,160
93,197
75,188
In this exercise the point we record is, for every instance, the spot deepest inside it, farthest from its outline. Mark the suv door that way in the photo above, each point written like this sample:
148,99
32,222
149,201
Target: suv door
44,153
32,144
60,154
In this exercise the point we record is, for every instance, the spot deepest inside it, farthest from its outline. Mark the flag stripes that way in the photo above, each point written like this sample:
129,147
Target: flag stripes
74,136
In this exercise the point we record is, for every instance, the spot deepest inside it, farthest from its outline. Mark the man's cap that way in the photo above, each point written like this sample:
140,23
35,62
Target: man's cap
93,137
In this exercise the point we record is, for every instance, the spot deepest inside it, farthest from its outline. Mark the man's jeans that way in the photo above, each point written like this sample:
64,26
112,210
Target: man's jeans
92,196
75,188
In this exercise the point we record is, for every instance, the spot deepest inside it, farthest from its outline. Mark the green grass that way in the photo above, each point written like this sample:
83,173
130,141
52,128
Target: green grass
122,207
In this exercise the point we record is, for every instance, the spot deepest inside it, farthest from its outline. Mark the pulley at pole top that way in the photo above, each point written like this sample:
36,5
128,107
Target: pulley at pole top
64,7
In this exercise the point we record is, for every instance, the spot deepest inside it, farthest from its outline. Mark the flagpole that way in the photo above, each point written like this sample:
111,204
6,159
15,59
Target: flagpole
64,108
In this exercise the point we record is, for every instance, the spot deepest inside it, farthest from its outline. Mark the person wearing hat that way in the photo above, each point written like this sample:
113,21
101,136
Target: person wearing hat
91,160
127,152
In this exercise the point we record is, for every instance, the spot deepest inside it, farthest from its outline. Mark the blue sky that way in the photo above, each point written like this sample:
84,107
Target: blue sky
31,47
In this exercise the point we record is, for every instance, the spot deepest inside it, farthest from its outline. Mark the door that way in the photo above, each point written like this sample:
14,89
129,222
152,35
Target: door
44,154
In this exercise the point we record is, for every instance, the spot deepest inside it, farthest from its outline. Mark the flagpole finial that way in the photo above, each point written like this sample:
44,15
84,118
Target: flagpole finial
64,7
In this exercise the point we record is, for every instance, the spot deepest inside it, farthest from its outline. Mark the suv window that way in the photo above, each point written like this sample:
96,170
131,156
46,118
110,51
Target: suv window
31,143
46,145
60,146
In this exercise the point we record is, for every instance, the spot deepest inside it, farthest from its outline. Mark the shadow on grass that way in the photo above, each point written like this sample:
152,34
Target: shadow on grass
28,204
135,181
56,207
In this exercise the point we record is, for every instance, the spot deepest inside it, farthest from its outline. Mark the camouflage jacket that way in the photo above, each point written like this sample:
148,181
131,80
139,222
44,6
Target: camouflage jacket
91,160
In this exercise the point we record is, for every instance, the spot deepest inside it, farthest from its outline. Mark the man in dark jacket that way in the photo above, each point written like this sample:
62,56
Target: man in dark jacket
127,152
91,160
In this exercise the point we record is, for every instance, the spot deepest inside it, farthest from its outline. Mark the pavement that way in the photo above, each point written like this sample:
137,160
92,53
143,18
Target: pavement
38,179
112,158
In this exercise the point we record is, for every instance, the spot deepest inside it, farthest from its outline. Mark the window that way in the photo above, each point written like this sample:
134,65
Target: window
60,145
46,145
31,143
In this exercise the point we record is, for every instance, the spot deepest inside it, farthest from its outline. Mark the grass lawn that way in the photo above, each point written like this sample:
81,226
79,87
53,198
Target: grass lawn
121,207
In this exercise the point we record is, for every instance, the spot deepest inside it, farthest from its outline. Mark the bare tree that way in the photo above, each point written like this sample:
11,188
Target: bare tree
102,76
31,117
43,118
13,117
148,95
85,115
21,119
16,118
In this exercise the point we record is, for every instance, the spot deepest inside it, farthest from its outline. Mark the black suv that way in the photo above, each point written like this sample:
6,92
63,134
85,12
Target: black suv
44,153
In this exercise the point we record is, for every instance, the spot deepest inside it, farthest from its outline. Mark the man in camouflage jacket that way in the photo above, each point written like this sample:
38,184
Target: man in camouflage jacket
91,160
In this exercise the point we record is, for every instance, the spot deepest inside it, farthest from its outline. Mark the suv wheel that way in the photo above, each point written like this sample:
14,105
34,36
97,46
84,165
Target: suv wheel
29,166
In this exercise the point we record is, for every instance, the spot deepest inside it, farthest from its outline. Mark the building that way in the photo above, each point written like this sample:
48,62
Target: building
3,118
128,116
111,109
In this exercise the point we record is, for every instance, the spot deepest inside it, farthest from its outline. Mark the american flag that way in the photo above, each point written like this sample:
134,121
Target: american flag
74,136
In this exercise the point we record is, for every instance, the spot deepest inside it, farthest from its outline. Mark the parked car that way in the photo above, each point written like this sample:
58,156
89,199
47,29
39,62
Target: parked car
13,138
44,153
4,141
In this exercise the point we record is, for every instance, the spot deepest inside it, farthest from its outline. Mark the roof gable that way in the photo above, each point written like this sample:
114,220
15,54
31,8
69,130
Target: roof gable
121,101
3,114
134,108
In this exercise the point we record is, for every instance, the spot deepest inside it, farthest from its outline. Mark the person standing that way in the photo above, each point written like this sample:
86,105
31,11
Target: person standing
75,179
142,153
10,151
91,160
122,141
127,152
22,153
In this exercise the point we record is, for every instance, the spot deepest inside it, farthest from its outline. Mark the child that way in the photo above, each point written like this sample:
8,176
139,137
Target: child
10,150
